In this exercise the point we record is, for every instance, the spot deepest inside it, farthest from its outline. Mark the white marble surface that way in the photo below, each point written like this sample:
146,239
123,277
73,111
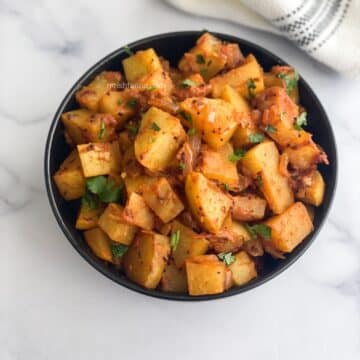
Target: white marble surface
54,306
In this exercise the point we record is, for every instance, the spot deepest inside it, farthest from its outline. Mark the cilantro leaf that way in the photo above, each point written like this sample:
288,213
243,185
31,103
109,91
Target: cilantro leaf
204,71
128,51
174,239
270,129
155,126
251,86
182,166
200,59
186,116
132,129
106,189
226,187
237,155
261,230
228,258
118,250
151,88
132,103
191,131
301,121
96,184
256,138
289,80
102,130
187,83
89,201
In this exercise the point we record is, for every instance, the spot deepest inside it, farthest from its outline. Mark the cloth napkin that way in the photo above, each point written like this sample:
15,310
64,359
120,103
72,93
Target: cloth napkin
328,30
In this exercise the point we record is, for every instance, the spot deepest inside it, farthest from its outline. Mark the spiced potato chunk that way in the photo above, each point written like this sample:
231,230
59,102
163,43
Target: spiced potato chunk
187,179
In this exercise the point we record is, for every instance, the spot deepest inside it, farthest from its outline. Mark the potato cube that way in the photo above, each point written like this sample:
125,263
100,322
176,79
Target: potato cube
82,126
241,105
99,243
138,183
137,213
190,244
216,165
174,279
243,269
248,207
263,160
95,158
88,218
140,64
206,275
113,223
116,103
70,179
207,202
214,119
290,228
163,200
146,258
159,138
238,78
304,157
314,193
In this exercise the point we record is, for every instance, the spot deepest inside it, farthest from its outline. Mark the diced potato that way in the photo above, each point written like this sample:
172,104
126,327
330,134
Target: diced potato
159,138
137,213
116,104
248,207
241,105
89,96
243,269
263,160
290,228
99,243
138,183
242,135
159,82
162,199
142,63
190,244
70,179
215,165
113,223
230,238
83,126
314,193
238,78
215,119
174,279
146,258
88,218
95,158
206,275
304,157
115,158
207,202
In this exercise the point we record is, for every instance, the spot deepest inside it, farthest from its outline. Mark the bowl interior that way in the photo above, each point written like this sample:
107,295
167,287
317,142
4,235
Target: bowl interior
172,46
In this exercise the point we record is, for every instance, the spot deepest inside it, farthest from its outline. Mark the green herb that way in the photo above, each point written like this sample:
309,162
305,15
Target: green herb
174,239
191,131
259,181
289,80
204,72
182,166
226,187
282,115
105,189
300,121
186,116
89,201
155,126
270,129
251,86
132,103
102,130
227,258
118,250
120,101
187,83
237,155
200,59
128,50
256,138
151,88
261,230
132,129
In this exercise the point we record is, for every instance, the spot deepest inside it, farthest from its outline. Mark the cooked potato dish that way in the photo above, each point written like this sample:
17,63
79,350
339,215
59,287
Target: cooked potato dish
188,176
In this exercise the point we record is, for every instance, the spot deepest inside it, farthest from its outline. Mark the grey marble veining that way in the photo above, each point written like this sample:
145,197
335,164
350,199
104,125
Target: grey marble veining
55,306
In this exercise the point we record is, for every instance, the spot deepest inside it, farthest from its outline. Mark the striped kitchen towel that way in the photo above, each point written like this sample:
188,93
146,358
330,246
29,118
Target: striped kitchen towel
328,30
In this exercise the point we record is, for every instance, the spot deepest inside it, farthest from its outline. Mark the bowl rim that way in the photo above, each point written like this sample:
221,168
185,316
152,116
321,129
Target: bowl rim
128,283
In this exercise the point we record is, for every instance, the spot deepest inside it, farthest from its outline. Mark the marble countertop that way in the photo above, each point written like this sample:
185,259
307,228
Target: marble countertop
53,305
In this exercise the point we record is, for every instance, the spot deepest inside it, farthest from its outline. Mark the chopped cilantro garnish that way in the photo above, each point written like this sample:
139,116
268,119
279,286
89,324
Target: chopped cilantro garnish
155,126
256,138
300,121
187,83
174,239
228,258
128,50
251,86
237,155
261,230
102,130
200,59
118,250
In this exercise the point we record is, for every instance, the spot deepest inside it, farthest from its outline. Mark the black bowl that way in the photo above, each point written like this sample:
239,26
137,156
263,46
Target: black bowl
172,46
